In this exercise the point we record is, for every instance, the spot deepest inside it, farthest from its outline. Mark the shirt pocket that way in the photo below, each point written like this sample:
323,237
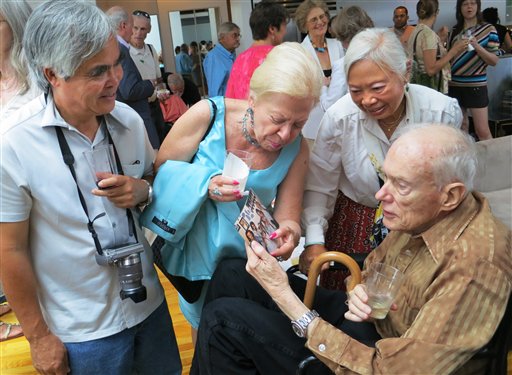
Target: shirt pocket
133,170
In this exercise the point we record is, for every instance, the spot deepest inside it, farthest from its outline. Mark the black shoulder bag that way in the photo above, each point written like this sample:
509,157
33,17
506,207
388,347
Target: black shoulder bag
189,290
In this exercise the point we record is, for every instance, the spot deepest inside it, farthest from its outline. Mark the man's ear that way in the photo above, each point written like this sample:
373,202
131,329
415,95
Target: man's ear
453,194
50,76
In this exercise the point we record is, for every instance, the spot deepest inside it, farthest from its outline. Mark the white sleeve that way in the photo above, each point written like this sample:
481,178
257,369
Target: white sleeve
321,187
15,199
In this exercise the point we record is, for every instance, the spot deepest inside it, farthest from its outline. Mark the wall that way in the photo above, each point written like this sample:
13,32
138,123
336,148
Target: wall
381,11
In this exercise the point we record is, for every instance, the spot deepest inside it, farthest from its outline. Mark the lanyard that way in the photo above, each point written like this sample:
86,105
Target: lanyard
69,159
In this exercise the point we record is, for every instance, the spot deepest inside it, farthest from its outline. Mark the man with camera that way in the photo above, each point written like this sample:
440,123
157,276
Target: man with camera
75,265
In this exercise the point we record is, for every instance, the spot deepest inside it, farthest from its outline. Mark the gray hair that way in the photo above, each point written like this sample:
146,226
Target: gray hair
118,15
226,28
61,35
455,158
349,22
279,71
380,46
175,79
16,13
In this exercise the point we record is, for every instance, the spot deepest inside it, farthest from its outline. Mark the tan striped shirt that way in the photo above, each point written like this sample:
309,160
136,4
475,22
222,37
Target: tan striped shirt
458,280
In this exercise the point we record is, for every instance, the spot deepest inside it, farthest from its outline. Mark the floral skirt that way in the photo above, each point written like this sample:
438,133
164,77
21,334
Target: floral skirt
349,231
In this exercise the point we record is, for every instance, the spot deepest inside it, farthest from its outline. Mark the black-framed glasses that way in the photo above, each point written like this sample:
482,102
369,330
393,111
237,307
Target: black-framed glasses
141,13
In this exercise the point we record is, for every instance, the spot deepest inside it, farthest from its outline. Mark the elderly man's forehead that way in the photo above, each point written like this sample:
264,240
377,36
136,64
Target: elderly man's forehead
141,21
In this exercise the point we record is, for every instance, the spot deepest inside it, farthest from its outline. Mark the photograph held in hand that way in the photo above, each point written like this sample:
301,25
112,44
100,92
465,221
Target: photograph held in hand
255,223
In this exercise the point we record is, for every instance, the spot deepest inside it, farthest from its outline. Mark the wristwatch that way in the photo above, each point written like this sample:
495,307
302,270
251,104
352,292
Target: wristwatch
300,326
149,199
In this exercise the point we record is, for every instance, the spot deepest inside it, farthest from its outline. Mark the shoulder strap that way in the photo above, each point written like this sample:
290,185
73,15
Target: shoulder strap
210,125
151,50
414,45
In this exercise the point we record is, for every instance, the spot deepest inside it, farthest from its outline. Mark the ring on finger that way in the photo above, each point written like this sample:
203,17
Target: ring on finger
216,192
280,259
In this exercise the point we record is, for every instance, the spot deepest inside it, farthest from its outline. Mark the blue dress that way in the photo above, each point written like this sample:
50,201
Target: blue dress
212,236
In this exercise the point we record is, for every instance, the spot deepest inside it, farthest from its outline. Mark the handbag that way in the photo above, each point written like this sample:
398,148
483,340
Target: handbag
421,78
188,289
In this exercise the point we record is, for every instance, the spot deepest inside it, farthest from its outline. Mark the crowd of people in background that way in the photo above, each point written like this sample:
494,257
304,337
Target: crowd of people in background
359,143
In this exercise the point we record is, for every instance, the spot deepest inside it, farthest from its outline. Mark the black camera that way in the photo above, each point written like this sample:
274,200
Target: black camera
129,269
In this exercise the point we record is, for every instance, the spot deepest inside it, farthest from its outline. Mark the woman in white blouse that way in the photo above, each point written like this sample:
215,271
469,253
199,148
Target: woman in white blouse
353,138
312,17
15,88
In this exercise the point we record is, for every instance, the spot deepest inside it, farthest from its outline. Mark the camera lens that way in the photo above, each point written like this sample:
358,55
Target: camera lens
130,276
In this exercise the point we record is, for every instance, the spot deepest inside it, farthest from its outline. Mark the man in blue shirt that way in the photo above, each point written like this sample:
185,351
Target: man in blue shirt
219,61
184,62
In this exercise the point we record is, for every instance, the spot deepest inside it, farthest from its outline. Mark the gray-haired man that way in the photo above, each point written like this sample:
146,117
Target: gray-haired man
219,61
58,223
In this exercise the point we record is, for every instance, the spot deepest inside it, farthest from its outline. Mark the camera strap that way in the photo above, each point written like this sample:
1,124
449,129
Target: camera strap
69,160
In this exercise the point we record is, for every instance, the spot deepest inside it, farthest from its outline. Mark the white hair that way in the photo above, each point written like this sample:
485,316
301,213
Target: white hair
455,157
16,14
380,46
61,35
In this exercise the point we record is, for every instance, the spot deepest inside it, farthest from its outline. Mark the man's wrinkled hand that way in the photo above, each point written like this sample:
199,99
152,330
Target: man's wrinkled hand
122,191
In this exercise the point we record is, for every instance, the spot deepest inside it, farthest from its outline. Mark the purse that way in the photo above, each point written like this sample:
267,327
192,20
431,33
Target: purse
188,289
421,78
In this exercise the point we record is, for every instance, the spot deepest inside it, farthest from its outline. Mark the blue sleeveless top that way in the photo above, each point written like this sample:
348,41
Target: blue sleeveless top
213,236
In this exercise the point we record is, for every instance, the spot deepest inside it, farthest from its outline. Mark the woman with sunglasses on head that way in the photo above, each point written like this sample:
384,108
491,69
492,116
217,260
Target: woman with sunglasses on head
469,67
312,17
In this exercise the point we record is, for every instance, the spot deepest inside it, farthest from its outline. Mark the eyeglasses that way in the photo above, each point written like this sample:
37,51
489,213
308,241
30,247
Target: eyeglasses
141,13
321,18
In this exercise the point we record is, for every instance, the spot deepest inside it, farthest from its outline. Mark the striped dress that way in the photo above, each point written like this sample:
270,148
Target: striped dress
468,69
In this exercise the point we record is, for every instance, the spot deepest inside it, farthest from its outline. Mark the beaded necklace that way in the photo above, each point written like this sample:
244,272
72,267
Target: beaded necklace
245,132
320,49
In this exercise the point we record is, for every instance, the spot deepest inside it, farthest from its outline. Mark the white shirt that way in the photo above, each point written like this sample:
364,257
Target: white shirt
79,298
18,101
339,159
329,95
147,64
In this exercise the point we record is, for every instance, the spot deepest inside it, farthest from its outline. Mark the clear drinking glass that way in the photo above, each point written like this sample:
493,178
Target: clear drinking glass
382,285
101,159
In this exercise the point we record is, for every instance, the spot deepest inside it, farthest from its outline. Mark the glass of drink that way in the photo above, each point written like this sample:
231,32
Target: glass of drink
382,285
101,159
162,90
467,35
237,165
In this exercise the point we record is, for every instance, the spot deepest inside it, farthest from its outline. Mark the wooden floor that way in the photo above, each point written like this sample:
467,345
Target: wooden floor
15,353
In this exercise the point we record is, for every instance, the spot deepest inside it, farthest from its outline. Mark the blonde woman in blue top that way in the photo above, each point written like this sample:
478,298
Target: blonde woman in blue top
283,90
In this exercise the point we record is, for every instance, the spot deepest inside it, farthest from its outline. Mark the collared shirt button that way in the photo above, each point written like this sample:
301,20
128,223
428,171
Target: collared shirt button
114,225
321,348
